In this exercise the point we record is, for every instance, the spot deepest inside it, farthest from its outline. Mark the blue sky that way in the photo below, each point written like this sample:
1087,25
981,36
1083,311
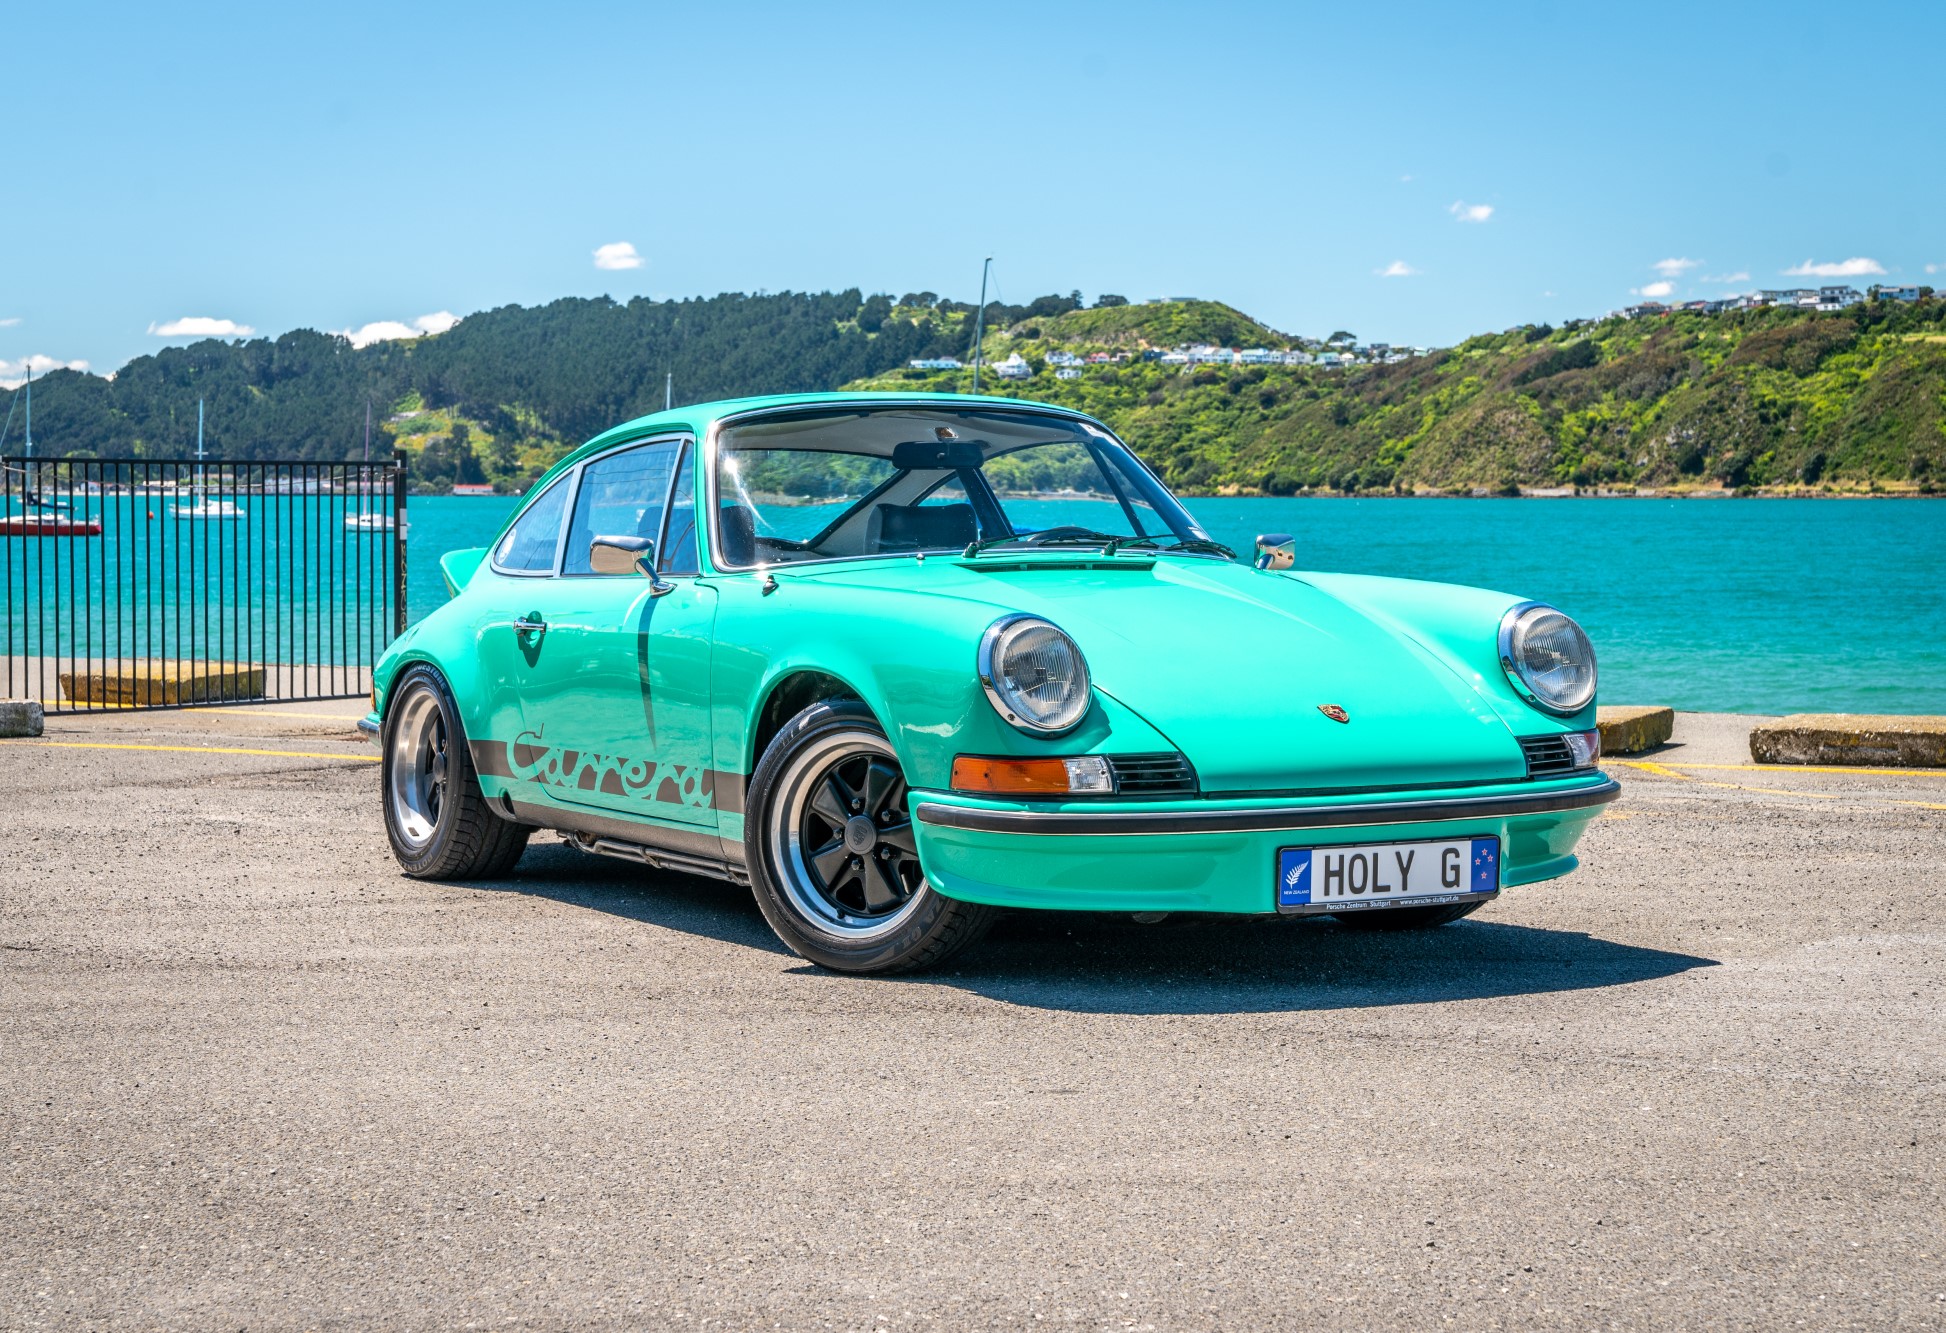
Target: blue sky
175,168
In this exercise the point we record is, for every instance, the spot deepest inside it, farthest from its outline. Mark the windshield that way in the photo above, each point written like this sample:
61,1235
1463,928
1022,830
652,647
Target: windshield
842,483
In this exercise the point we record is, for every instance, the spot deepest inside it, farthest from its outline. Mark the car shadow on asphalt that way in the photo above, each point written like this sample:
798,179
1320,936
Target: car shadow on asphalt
692,904
1098,963
1111,965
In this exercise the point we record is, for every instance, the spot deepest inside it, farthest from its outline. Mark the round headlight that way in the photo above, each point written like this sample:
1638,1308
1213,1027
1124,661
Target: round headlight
1034,674
1547,657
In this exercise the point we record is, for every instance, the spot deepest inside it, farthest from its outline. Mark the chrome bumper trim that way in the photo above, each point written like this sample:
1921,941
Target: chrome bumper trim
370,728
1090,823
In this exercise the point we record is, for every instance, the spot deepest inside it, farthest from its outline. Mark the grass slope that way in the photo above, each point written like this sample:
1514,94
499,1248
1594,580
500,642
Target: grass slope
1781,401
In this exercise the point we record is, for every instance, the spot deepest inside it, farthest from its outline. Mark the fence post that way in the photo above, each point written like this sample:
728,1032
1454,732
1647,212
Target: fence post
398,541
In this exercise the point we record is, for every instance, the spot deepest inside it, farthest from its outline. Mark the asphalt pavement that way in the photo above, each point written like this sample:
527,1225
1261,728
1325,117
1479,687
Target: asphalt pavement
252,1077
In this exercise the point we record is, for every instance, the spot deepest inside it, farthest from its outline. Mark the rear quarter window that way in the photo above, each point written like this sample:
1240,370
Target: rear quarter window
530,544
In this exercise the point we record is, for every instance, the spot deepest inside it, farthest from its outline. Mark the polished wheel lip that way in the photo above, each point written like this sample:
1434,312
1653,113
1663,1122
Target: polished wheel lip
418,768
1166,823
797,789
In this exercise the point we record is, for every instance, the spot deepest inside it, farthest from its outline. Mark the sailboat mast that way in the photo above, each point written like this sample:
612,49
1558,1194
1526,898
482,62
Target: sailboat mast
30,410
980,321
368,430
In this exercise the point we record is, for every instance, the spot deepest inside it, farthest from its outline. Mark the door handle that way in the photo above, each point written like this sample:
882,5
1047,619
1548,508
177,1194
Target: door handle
524,626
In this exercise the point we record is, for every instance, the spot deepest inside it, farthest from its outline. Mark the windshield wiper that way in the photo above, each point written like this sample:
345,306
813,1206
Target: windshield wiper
1062,535
1202,546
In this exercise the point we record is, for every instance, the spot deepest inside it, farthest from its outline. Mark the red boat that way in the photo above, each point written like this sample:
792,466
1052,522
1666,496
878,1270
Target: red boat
49,525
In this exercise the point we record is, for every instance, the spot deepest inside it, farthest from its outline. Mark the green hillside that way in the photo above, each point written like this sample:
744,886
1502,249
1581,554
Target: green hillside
1778,400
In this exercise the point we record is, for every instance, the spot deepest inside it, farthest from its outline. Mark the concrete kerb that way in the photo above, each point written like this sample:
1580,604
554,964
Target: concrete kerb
1851,738
1632,729
21,717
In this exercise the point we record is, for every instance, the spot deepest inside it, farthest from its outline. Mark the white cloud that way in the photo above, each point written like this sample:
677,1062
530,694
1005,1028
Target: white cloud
14,373
201,326
1674,268
1466,212
1933,268
1654,291
1738,276
1398,268
617,255
1844,268
391,330
1404,180
9,323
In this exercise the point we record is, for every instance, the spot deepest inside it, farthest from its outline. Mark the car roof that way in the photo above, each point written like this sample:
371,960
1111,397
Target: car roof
697,418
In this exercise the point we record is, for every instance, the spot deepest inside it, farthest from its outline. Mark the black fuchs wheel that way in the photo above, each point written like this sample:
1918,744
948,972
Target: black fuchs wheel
833,859
439,822
1406,918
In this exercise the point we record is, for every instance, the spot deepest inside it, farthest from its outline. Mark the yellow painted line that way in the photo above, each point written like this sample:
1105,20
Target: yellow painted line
1923,805
199,749
1786,768
83,710
1660,770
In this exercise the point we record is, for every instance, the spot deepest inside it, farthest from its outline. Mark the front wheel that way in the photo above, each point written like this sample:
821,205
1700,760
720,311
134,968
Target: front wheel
1406,918
436,817
833,857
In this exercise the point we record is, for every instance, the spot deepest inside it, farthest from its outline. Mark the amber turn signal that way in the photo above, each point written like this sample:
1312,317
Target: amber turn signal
1001,776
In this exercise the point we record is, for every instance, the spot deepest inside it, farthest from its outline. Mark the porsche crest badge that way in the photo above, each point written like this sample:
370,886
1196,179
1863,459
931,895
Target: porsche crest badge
1335,713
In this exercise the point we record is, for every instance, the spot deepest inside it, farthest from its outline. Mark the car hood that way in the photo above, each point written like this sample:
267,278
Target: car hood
1242,671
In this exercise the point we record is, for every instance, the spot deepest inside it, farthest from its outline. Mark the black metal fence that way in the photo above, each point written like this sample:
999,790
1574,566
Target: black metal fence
161,583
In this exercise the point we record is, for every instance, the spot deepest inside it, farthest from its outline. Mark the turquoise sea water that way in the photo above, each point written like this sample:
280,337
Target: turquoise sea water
1748,606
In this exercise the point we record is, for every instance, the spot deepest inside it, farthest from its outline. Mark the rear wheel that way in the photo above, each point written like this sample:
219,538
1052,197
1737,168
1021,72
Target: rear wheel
833,858
436,817
1406,918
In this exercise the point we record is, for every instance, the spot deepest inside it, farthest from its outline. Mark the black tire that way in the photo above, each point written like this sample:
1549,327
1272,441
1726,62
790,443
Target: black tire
875,912
1405,918
438,821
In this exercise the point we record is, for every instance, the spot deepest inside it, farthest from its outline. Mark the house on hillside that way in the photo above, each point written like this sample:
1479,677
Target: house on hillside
1644,310
1015,367
936,363
1063,359
1837,298
1906,293
1068,373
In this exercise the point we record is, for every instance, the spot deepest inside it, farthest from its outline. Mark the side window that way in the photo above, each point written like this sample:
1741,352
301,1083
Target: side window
528,547
678,553
622,495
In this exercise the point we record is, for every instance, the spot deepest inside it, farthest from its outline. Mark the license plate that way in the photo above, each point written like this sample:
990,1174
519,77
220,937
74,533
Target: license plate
1342,879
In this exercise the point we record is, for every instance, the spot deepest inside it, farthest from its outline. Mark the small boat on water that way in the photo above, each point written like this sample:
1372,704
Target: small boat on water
49,525
370,522
202,506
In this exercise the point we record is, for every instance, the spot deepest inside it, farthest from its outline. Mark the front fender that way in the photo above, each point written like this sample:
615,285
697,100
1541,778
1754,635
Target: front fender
1458,625
911,661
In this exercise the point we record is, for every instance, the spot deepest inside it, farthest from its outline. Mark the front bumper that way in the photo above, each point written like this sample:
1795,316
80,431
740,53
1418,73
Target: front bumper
1221,856
369,725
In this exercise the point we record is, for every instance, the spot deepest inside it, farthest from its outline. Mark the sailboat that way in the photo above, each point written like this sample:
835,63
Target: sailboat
202,506
56,518
370,520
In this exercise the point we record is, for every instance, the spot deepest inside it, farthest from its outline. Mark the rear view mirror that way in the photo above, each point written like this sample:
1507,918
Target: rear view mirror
916,455
1276,550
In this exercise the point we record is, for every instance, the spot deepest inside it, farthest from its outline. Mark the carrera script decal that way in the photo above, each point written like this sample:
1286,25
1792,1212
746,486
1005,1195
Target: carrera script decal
531,759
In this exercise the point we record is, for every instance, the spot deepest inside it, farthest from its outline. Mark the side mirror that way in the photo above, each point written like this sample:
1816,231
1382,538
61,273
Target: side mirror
1276,550
627,555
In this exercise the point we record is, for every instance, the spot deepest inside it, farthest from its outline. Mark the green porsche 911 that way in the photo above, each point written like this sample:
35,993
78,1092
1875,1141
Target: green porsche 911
901,662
